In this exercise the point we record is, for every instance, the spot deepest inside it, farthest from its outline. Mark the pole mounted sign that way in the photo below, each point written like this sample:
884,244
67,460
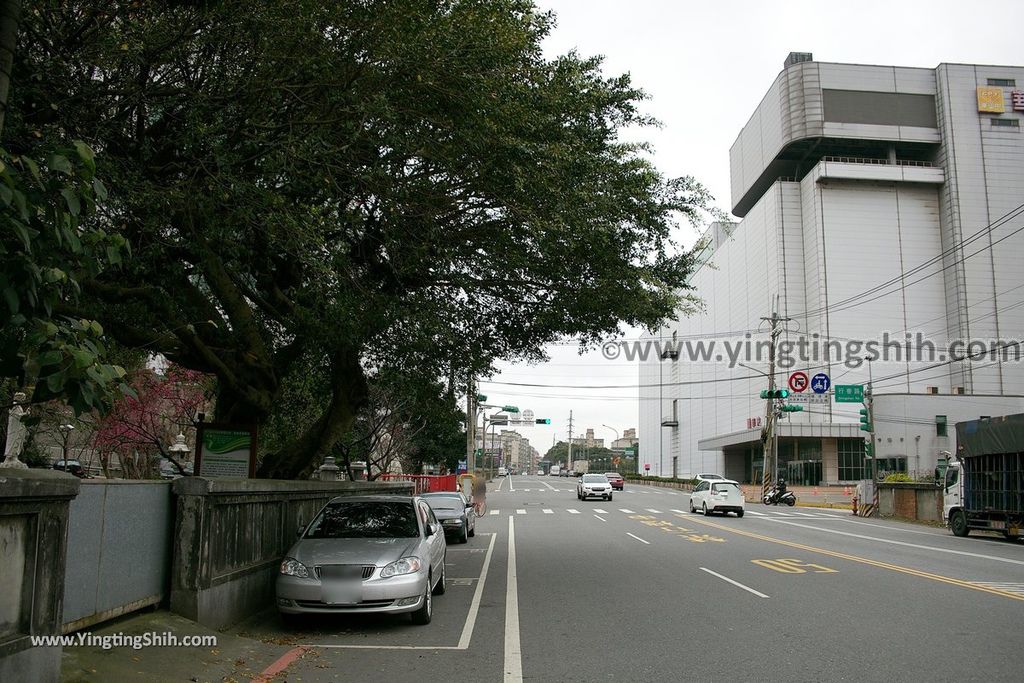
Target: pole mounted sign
849,393
820,383
225,451
798,381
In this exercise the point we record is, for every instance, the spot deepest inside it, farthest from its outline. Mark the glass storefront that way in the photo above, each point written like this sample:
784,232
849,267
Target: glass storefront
800,462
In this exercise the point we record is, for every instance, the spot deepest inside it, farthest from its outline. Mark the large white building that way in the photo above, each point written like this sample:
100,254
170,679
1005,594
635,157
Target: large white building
874,199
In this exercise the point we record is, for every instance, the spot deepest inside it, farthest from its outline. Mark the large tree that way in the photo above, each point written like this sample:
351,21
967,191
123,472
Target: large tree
402,185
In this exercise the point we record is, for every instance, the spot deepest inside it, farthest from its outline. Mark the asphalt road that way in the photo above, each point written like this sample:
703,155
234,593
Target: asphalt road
638,588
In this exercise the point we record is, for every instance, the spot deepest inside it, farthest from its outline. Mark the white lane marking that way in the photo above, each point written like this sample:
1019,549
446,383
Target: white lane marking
657,512
548,512
628,512
903,543
520,511
671,493
890,528
527,490
494,512
756,514
573,512
679,511
557,490
803,514
601,518
1008,587
781,514
510,489
735,583
600,511
513,651
638,538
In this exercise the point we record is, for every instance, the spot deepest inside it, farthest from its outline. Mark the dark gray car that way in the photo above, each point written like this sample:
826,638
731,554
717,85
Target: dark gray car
366,554
455,513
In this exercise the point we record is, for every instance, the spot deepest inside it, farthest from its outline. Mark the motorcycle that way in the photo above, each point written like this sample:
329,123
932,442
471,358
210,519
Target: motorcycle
774,497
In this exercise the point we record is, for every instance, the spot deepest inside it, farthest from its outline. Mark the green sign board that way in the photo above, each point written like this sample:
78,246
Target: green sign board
849,393
628,452
226,451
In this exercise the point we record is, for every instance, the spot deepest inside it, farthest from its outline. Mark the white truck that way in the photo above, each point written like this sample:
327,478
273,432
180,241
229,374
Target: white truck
984,485
555,469
581,467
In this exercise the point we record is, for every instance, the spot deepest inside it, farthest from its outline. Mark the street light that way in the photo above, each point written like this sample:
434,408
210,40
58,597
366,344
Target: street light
65,436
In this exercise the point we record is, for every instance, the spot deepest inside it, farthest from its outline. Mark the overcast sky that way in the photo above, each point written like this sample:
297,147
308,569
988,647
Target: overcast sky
705,67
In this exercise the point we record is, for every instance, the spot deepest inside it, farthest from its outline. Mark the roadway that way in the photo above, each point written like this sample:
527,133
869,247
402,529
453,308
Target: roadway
638,588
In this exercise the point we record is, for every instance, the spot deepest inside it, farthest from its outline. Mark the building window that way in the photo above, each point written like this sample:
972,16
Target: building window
940,425
888,466
852,466
1006,123
1003,82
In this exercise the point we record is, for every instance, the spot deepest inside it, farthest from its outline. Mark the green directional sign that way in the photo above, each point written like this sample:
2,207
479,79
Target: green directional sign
849,393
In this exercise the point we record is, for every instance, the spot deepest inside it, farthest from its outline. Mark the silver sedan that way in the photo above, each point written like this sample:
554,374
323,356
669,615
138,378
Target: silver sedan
365,554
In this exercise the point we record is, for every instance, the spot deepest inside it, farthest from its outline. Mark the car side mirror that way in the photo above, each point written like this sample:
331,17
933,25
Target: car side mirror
428,531
300,530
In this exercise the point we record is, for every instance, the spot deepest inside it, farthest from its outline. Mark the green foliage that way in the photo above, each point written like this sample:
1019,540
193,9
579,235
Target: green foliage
382,186
898,477
48,244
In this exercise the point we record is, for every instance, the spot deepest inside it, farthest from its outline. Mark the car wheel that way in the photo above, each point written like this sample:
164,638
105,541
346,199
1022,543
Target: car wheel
692,509
464,536
441,586
609,497
472,530
704,506
421,617
739,513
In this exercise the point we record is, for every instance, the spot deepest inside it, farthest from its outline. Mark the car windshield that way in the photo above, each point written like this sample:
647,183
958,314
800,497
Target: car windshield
595,479
613,475
367,519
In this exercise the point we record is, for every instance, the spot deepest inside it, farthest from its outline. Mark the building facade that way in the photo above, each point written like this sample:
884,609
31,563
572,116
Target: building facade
881,215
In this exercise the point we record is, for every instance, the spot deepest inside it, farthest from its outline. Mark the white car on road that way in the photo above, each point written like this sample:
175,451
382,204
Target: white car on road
593,485
719,495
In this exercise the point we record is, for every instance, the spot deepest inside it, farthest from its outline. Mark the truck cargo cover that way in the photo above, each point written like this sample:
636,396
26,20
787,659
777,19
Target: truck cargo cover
991,435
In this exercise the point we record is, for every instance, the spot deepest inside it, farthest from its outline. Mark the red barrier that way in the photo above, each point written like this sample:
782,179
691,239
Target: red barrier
425,483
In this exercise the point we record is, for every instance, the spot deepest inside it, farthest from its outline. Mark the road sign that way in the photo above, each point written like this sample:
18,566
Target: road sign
849,393
809,399
616,460
647,466
798,381
820,383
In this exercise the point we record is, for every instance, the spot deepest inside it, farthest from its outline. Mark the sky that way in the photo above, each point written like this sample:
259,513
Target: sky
705,67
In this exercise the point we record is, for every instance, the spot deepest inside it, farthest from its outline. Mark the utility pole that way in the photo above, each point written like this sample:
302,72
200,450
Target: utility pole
768,435
569,456
471,426
870,405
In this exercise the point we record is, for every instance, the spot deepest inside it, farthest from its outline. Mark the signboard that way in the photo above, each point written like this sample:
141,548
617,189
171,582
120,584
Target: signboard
628,452
1017,100
225,451
754,422
820,383
647,466
463,467
798,381
809,399
849,393
991,100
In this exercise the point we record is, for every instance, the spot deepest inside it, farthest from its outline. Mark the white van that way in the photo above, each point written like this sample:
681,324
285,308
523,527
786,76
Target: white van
502,472
555,469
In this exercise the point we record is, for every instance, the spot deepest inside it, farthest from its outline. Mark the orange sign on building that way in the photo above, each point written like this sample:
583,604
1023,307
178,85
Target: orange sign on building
991,100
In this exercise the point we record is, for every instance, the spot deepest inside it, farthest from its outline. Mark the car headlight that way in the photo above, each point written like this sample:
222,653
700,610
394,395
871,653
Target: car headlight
406,565
292,567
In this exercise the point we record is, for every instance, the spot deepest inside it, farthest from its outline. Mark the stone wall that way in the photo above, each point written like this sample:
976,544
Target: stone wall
916,501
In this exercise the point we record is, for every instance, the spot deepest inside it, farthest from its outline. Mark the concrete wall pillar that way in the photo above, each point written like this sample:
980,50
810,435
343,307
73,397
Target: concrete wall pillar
33,553
830,460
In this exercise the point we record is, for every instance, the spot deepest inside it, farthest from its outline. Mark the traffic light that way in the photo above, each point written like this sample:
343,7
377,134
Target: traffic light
865,421
543,420
869,449
792,408
777,393
481,398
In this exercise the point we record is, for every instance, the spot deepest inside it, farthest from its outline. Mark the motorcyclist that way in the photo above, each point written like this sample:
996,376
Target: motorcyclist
781,486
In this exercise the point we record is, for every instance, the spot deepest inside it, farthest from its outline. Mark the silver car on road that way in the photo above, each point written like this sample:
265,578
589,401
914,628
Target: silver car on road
365,554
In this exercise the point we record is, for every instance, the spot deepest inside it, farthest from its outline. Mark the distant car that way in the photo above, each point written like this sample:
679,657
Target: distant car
717,496
502,472
364,554
710,477
71,467
453,510
592,486
616,480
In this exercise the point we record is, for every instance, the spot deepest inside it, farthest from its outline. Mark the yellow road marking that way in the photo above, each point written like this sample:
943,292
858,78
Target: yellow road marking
794,567
863,560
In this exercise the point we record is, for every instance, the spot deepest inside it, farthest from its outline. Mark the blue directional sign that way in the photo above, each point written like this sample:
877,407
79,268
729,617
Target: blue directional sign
820,383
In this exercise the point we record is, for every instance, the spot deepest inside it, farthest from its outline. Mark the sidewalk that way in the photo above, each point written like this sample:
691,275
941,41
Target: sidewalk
234,658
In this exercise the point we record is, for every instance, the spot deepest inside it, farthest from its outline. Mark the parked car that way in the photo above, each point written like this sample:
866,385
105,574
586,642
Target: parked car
71,467
717,496
454,511
502,472
593,485
363,554
616,480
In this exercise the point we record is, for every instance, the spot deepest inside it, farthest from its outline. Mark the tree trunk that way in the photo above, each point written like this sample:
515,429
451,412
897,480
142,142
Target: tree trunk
10,13
349,393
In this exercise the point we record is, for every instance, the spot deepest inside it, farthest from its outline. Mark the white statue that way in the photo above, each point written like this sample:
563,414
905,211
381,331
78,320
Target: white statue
17,432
